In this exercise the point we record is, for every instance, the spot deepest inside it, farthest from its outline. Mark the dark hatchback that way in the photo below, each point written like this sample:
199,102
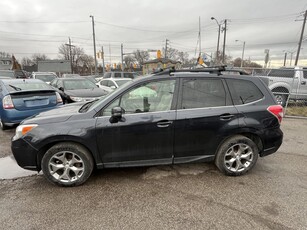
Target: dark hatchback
77,89
162,119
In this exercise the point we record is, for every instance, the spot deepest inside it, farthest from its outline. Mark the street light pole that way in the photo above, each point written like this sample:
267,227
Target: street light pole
94,41
218,38
242,59
224,44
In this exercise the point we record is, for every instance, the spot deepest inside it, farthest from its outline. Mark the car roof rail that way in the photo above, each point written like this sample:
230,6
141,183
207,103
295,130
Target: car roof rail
212,69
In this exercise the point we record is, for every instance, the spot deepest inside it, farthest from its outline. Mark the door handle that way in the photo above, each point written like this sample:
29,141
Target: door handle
226,117
164,124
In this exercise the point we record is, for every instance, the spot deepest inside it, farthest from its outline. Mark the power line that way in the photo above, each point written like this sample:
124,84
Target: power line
43,22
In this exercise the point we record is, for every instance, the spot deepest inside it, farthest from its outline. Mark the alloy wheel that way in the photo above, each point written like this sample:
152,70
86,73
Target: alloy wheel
66,166
238,157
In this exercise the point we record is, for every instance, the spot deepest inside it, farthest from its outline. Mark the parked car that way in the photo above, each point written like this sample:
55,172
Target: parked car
70,75
13,74
131,75
44,76
192,117
285,82
111,84
77,89
22,98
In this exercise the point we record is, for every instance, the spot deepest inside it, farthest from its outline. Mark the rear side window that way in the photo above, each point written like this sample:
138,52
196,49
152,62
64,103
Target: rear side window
288,73
202,93
243,91
117,75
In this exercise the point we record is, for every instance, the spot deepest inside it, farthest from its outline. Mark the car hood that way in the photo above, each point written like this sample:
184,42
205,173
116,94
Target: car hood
60,114
94,92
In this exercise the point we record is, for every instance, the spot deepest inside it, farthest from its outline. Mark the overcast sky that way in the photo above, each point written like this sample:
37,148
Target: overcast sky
40,26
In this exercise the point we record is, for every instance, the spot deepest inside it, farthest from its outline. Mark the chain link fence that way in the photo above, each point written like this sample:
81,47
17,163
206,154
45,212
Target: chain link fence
289,86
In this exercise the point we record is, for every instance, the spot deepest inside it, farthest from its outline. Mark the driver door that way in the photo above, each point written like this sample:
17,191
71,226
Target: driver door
145,134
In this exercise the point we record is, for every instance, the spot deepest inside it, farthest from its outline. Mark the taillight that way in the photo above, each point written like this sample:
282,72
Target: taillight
58,98
7,102
277,111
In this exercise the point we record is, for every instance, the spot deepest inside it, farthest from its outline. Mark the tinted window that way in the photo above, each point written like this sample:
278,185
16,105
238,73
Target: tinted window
201,93
128,75
289,73
243,91
117,75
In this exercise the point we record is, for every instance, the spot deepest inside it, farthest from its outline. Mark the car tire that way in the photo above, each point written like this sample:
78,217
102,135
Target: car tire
236,156
3,126
67,164
281,99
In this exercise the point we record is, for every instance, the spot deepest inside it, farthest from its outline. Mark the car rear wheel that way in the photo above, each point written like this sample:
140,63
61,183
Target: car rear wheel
237,156
67,164
281,99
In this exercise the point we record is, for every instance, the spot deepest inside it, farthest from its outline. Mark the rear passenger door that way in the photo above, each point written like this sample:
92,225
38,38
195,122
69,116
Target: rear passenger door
205,116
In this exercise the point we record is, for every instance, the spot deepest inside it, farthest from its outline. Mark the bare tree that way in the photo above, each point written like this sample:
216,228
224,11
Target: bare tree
141,56
39,57
129,61
25,61
76,54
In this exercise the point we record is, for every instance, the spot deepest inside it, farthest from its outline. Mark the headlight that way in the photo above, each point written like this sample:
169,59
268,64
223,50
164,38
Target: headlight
22,130
76,99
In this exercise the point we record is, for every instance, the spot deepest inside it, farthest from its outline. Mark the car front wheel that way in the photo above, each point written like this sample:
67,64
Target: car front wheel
67,164
237,156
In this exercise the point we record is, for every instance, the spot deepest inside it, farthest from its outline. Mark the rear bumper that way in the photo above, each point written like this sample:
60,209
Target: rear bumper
13,116
273,140
25,155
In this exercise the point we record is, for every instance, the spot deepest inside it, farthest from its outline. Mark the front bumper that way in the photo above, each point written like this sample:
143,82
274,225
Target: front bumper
25,155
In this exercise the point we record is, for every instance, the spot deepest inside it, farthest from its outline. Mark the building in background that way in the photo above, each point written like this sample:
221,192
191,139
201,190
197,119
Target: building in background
159,63
57,66
6,63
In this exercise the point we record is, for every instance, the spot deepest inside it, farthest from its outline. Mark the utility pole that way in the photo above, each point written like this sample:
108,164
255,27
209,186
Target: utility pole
70,54
301,39
122,55
224,29
285,58
94,42
199,37
103,68
166,44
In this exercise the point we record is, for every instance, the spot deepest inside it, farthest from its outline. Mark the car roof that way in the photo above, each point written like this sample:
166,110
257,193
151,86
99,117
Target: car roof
13,80
118,79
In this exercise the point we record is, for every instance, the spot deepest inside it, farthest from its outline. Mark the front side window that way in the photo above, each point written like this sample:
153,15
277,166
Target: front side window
243,91
202,93
117,75
149,97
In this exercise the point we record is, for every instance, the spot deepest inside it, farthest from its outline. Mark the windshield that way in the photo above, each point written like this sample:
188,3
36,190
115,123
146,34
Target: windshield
7,74
78,84
45,78
122,82
27,86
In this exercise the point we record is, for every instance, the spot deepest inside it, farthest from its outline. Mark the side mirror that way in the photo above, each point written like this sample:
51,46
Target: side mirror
113,87
61,88
117,114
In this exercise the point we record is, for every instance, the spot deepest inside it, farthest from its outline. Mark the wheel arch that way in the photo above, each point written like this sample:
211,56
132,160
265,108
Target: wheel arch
251,135
47,146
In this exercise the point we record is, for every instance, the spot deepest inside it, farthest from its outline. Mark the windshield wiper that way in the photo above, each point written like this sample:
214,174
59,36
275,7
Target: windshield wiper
15,87
86,106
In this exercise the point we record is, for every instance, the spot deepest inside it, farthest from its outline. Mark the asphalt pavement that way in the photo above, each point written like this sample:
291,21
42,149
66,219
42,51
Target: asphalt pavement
189,196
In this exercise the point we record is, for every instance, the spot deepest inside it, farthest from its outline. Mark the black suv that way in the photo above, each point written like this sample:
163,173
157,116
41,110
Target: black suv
161,119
